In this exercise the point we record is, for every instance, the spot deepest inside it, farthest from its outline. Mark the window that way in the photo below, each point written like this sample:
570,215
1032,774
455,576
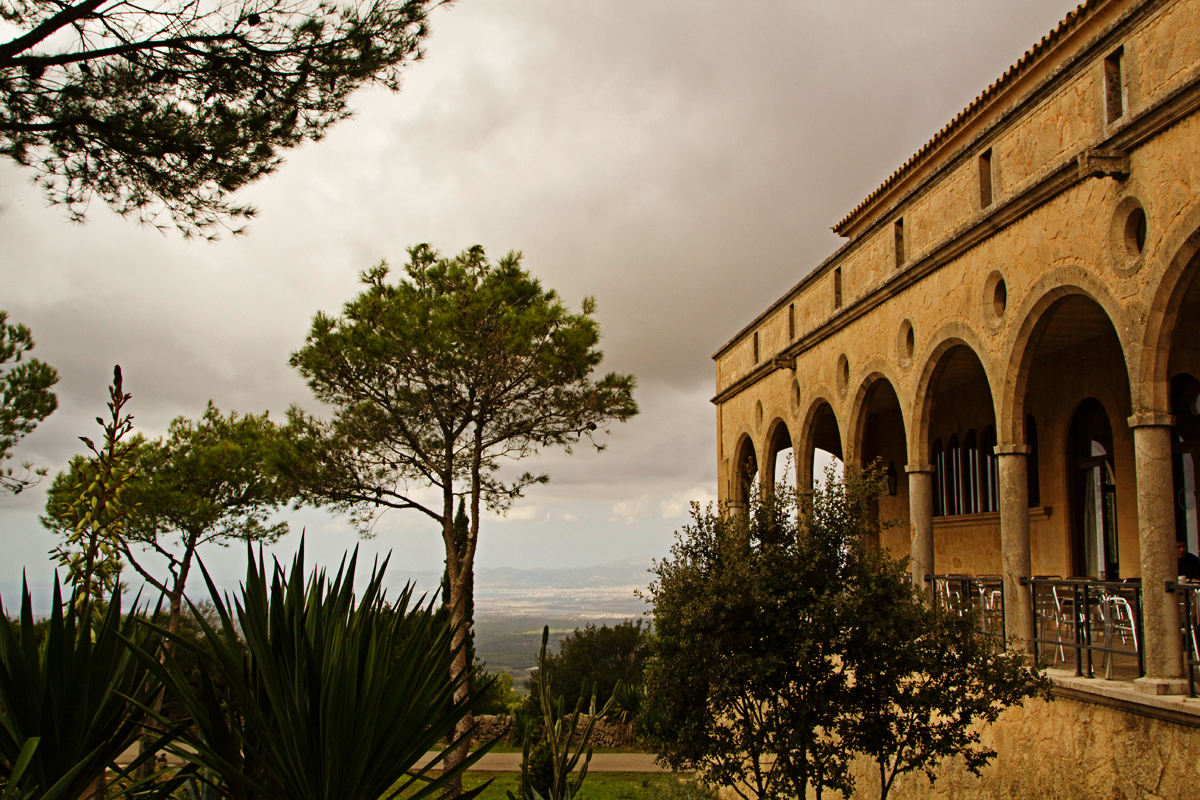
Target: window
939,479
1094,498
756,347
953,480
791,321
985,179
970,474
837,288
899,231
1114,102
1031,462
1185,439
990,478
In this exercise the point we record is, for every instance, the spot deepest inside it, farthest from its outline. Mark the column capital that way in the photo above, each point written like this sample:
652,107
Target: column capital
911,468
1013,449
1151,420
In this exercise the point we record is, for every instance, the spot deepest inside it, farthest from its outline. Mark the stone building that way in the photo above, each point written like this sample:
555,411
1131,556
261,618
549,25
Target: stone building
1012,328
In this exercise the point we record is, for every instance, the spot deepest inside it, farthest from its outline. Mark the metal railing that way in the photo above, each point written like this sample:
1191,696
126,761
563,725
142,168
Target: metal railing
1189,616
1090,617
983,596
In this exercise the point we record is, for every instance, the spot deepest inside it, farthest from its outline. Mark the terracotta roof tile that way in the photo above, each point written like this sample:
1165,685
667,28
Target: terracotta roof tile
1072,19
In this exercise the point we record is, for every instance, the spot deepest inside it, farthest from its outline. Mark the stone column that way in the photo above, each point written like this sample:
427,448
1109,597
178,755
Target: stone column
1156,542
920,517
1016,561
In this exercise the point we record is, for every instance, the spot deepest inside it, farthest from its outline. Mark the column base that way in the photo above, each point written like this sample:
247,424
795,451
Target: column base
1161,685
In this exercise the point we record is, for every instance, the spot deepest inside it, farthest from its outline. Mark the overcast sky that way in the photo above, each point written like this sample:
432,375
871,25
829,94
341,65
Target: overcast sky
682,161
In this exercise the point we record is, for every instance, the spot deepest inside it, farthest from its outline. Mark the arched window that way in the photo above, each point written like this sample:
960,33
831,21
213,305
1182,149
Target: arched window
1032,476
989,489
939,479
953,477
970,474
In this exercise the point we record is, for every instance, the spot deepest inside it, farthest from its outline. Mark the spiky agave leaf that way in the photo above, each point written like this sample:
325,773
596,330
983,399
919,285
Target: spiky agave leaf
80,697
324,695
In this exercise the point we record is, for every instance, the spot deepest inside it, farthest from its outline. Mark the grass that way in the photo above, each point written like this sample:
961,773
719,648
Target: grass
600,786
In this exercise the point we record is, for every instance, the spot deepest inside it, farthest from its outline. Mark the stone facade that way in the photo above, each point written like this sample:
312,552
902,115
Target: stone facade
1012,329
1070,748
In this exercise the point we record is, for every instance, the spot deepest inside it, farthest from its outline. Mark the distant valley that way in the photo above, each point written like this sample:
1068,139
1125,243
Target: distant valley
512,605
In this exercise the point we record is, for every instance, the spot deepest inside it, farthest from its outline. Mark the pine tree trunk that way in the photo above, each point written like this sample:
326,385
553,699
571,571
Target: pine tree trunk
460,618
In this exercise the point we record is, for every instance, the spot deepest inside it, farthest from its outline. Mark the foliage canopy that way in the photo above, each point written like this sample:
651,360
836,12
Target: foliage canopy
25,399
596,660
438,379
785,645
207,481
174,105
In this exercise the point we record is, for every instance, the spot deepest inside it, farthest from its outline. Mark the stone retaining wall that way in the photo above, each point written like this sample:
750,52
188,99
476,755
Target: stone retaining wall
1067,748
604,734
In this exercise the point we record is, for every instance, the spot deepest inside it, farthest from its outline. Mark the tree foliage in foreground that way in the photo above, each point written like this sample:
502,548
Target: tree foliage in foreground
439,379
206,482
786,646
25,400
175,104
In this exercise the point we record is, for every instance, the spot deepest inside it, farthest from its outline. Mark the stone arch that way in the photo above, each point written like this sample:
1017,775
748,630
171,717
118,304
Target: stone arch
779,438
876,369
1036,312
879,433
1151,389
743,470
815,433
952,334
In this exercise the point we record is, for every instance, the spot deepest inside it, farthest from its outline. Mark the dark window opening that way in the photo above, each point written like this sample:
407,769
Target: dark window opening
1135,231
1094,494
990,483
792,321
970,474
837,288
1185,444
756,347
1032,474
899,229
953,478
1114,102
985,179
939,473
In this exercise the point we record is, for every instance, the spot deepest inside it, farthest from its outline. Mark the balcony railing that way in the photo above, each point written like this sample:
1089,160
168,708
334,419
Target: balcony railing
983,595
1091,620
1088,623
1189,613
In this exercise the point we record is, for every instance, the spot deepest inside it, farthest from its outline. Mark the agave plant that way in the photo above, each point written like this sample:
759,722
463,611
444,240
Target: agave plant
566,746
308,692
70,707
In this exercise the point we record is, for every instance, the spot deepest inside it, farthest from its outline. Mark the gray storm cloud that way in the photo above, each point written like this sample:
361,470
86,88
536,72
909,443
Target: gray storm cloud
681,161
